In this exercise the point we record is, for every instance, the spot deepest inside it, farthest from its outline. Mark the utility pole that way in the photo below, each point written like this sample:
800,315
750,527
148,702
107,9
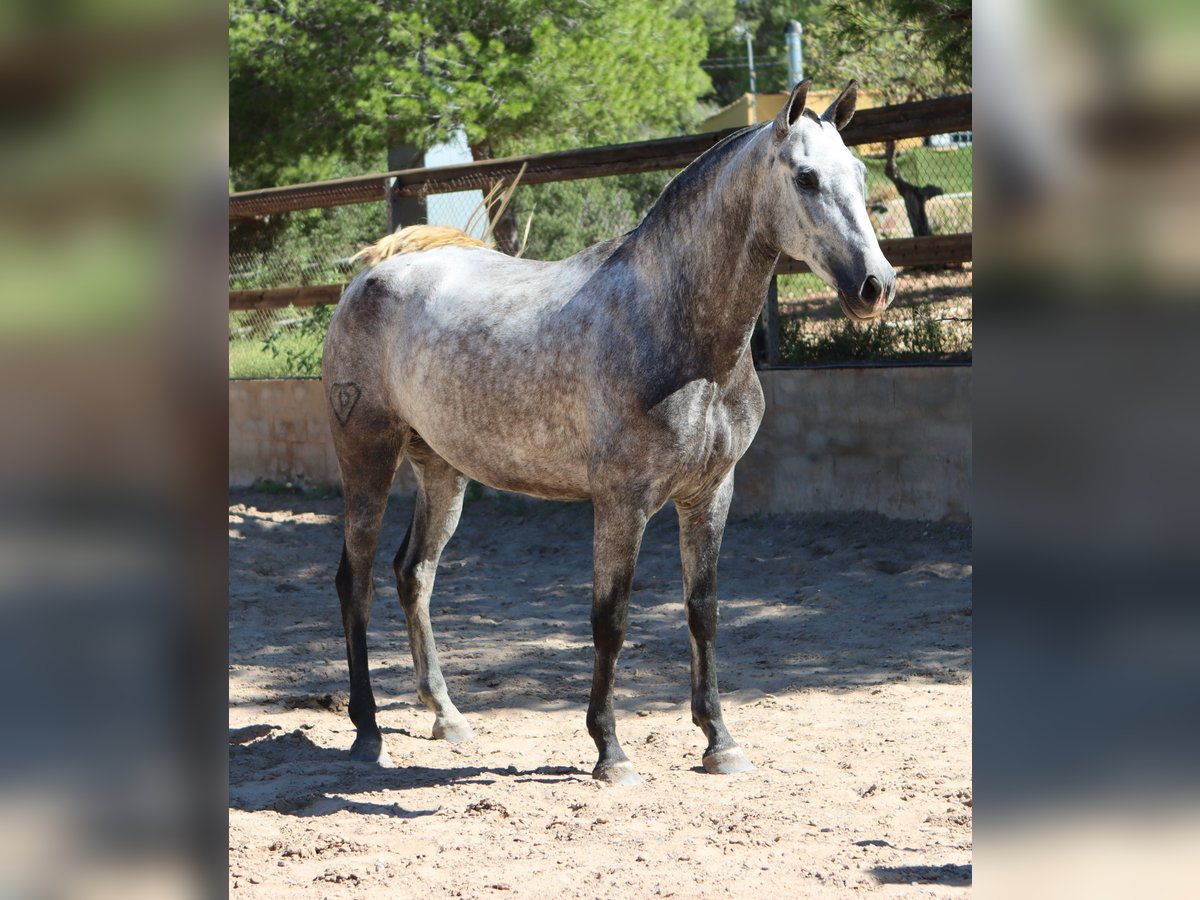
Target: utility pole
744,31
794,34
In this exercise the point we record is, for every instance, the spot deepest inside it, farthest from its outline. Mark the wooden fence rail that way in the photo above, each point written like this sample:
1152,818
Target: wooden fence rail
882,123
904,120
919,251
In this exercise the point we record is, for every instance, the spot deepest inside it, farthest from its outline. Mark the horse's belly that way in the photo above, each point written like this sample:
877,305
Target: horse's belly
523,479
519,442
526,468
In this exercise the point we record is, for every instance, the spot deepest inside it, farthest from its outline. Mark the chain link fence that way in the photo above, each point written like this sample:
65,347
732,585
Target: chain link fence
925,188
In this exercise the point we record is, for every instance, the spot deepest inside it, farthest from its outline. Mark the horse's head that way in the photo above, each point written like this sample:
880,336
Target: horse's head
818,190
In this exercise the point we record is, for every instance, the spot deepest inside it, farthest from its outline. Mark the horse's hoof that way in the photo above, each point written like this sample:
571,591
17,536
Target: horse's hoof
727,761
621,772
370,750
453,730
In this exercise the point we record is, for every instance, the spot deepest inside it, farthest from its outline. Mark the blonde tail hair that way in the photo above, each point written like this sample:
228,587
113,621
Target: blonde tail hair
413,238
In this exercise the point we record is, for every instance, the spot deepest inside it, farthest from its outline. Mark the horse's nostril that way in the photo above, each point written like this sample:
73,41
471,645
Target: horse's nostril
871,289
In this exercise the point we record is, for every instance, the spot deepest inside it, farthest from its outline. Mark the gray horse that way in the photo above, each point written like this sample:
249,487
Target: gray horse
621,375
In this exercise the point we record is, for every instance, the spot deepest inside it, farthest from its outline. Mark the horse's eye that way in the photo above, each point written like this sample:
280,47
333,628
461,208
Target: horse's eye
806,179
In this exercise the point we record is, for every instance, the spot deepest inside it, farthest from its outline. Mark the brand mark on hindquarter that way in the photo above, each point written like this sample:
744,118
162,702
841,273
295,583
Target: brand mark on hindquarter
342,398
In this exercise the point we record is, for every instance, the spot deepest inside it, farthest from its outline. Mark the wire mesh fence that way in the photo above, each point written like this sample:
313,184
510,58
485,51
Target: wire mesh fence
311,246
921,189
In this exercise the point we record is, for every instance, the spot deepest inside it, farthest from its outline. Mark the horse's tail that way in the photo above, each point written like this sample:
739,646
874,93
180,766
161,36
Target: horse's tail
427,237
414,238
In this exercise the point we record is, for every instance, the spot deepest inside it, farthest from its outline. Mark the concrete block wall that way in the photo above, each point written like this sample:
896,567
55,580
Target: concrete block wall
279,429
893,440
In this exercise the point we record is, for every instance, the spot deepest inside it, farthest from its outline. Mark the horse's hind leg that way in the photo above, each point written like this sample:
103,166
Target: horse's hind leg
439,504
701,526
368,468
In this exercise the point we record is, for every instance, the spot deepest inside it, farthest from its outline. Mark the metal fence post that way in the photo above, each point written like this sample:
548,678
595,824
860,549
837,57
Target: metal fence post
404,210
770,315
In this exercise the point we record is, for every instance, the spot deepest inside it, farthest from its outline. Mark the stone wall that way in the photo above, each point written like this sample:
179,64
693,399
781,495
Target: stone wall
894,440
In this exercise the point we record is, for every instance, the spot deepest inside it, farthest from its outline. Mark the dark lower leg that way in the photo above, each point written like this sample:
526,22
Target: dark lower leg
701,527
367,476
356,594
706,702
609,619
618,537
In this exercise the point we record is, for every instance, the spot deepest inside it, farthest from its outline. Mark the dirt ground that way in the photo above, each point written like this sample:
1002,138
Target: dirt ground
845,673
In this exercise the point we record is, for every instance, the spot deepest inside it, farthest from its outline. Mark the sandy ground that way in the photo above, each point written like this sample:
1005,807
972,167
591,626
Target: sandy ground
845,675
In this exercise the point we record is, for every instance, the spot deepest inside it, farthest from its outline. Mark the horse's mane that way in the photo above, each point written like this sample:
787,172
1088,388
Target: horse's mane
694,172
700,164
412,239
728,139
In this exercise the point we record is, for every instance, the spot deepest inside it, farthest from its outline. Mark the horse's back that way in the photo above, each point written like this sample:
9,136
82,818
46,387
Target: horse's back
467,286
443,295
476,351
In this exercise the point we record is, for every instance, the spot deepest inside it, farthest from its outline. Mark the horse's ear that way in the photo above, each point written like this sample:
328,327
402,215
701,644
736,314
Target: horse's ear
792,109
841,110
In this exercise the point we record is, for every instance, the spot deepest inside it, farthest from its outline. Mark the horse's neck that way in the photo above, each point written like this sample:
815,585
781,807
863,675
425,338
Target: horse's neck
714,261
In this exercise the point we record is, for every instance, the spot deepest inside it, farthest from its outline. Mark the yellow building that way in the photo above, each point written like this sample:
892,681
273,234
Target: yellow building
749,108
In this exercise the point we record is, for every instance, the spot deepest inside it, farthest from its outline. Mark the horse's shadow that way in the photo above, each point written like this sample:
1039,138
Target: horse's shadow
791,620
948,874
796,617
290,774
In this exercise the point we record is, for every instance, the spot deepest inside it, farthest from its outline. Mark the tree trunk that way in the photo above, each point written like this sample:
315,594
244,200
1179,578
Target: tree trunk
505,230
914,196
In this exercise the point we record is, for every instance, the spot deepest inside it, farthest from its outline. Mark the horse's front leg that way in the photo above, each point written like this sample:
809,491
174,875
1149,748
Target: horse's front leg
701,526
618,536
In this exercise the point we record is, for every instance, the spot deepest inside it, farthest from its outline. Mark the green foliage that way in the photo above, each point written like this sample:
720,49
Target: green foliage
571,215
945,33
766,20
301,357
923,338
312,80
284,345
898,49
311,246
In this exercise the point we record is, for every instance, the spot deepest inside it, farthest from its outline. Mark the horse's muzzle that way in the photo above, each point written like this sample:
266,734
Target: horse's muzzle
871,298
